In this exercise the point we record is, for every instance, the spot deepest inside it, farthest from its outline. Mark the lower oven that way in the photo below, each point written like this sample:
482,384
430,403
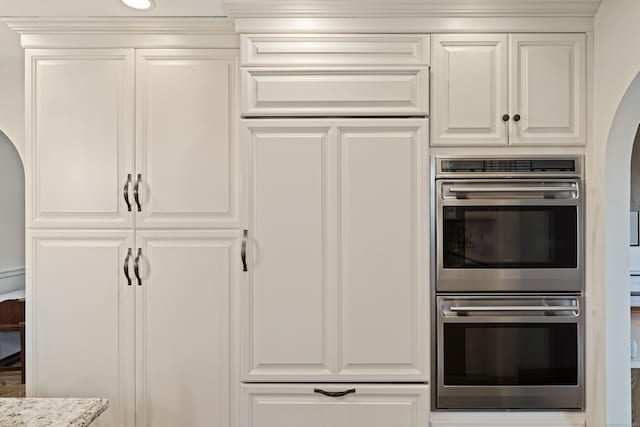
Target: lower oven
510,352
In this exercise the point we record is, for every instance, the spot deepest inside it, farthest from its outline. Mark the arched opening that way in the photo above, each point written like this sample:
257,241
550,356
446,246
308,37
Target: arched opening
12,269
613,293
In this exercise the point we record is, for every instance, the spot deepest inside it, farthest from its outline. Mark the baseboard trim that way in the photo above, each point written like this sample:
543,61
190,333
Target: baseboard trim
12,272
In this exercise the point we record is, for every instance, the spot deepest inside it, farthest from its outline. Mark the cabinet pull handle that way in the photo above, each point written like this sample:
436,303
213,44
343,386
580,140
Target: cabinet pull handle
516,117
136,192
125,192
136,266
334,393
505,118
243,251
126,266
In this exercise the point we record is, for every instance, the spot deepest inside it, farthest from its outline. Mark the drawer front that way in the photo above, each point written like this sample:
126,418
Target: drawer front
285,405
345,92
334,49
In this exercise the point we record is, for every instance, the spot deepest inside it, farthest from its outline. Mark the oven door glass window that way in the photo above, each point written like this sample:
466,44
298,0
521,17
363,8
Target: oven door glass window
510,354
510,237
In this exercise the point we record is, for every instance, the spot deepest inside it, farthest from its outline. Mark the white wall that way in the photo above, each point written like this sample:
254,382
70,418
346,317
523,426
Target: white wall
616,64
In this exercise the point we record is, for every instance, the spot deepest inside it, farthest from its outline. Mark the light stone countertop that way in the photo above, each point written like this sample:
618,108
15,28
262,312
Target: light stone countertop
58,412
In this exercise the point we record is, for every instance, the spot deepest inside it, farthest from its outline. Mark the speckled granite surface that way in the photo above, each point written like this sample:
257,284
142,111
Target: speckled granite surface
58,412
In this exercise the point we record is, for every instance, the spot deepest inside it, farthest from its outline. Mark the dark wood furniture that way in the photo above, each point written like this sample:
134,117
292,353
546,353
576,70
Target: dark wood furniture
12,320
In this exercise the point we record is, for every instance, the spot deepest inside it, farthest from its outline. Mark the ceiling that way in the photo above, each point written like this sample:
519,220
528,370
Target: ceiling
69,8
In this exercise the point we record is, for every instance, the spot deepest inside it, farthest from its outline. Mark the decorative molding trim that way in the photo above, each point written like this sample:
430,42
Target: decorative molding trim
11,272
119,32
409,8
417,25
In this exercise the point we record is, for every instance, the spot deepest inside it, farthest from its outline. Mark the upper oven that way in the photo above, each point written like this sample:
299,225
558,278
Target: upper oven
506,228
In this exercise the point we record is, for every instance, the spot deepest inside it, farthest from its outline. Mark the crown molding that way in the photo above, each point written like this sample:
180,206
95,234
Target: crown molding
409,8
123,32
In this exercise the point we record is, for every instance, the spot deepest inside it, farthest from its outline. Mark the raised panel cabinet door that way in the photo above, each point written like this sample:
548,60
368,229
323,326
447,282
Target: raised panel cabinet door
79,108
469,78
547,79
335,91
382,289
186,353
288,322
80,319
187,159
365,405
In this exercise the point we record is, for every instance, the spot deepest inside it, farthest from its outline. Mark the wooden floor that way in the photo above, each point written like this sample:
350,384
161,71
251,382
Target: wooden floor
10,385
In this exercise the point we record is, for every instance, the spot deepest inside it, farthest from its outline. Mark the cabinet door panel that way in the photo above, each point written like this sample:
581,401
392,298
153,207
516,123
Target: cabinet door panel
469,75
548,89
187,153
79,137
287,332
388,91
185,308
370,406
80,320
381,291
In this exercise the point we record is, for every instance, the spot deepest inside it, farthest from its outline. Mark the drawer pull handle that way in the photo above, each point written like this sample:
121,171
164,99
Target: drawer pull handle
243,251
334,393
125,192
136,192
126,267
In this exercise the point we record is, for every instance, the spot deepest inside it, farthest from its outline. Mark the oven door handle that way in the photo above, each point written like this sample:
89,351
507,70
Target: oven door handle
515,308
508,189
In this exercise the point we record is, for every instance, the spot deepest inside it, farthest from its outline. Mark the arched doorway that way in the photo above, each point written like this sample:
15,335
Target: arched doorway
12,268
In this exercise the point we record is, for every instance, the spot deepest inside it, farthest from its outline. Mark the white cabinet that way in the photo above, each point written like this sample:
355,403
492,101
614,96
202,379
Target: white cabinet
547,77
125,308
185,322
81,338
80,109
337,290
162,349
469,76
337,91
542,75
186,150
365,405
334,49
80,137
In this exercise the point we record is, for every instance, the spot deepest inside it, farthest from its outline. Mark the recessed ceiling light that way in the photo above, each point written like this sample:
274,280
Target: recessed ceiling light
139,4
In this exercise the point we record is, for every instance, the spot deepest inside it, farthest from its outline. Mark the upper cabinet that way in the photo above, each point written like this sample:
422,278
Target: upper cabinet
335,75
186,152
79,108
547,79
519,89
469,89
84,135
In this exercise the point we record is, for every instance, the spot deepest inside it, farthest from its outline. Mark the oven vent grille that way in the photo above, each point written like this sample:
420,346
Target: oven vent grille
509,165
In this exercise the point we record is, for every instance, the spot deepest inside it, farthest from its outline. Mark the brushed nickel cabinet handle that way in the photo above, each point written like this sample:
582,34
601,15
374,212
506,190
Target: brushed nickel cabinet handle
125,192
136,192
126,266
243,251
334,393
136,266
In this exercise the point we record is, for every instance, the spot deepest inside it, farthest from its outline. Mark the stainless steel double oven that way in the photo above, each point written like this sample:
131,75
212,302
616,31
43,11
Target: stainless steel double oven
508,273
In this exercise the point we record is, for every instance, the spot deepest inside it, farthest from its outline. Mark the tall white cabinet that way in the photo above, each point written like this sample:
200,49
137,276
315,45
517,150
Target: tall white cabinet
337,288
134,231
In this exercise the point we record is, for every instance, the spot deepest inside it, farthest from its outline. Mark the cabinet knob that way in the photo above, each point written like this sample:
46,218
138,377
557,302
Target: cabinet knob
516,117
505,118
